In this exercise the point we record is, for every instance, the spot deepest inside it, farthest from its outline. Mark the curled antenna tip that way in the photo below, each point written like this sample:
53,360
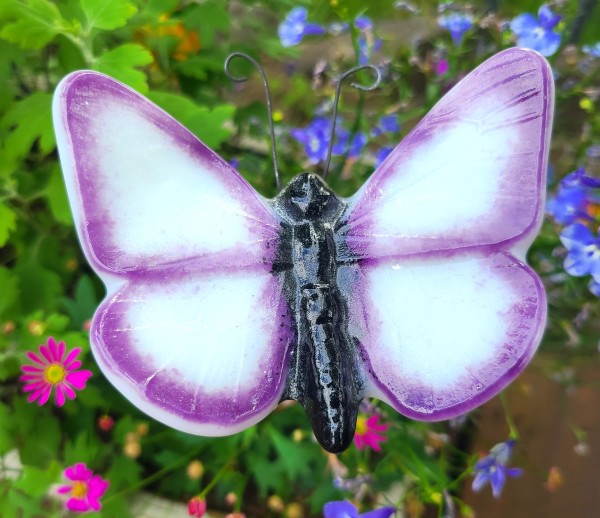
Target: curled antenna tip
367,88
263,75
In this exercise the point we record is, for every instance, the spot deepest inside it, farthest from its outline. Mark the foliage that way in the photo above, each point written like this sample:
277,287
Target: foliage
173,51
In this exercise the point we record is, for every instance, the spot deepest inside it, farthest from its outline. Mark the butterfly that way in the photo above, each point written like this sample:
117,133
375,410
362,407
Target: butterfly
221,303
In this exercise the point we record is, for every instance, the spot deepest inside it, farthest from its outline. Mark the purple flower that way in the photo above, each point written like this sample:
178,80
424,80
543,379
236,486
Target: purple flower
295,27
315,138
344,509
573,198
457,24
592,50
493,468
387,124
363,23
367,43
381,155
583,248
536,33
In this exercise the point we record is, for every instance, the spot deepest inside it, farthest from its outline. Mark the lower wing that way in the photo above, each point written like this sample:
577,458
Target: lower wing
444,334
202,351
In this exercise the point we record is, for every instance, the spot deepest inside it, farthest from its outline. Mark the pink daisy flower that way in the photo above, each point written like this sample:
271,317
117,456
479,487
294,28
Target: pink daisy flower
366,432
86,489
52,370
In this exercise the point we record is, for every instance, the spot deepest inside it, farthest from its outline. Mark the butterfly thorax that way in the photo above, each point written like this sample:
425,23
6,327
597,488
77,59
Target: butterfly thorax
324,375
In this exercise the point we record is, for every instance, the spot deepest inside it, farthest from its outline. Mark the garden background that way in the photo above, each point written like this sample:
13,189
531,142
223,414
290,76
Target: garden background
541,436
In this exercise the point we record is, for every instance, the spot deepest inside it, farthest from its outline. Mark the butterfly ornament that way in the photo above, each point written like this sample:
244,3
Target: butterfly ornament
221,303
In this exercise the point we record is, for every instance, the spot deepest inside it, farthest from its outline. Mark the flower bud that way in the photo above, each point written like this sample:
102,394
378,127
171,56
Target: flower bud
106,423
195,470
197,507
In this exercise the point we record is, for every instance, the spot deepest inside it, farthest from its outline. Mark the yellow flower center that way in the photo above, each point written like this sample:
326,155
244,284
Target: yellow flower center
361,425
79,489
55,373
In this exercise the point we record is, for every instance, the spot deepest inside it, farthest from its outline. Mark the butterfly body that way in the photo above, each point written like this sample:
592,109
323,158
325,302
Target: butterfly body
324,374
221,303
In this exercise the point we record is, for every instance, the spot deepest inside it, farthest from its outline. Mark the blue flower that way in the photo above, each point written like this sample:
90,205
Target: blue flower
592,50
493,468
315,138
457,24
536,33
381,155
583,248
367,43
573,198
295,27
387,124
344,509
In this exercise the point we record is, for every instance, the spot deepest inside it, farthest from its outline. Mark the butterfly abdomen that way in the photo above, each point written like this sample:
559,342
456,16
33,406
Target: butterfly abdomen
324,375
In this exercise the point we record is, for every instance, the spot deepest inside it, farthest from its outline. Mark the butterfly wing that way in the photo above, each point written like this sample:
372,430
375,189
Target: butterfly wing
185,246
441,230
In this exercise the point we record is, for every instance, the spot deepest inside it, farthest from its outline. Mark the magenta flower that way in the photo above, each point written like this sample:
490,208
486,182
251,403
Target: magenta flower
52,370
86,490
367,432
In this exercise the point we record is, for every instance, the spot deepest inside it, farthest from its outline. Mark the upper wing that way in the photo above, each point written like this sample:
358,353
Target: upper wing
442,334
145,192
471,173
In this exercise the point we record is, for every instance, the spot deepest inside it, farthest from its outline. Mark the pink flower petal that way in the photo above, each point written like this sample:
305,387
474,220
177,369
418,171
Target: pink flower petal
64,489
59,397
34,386
73,365
45,395
46,353
36,394
30,368
29,377
35,358
72,355
77,505
53,348
82,472
69,392
62,348
78,379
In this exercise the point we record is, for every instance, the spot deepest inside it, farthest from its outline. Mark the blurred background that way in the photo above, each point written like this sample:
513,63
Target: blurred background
532,451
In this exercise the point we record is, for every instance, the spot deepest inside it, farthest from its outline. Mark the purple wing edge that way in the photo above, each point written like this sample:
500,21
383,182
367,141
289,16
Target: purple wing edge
520,242
491,390
226,417
70,146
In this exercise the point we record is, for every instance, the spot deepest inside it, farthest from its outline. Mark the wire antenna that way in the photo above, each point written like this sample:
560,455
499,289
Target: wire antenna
238,79
336,102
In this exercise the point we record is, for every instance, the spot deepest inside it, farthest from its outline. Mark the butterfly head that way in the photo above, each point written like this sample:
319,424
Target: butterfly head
308,196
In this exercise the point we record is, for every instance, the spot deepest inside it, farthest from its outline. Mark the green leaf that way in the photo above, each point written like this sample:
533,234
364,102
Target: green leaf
40,287
32,24
35,481
208,125
8,223
107,14
292,455
56,194
82,306
9,286
208,19
121,63
28,121
6,441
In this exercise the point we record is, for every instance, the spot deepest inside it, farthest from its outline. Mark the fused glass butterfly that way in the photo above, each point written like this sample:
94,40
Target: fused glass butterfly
221,303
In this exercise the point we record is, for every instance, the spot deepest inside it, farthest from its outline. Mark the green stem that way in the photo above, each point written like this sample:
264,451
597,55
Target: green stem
220,473
513,432
156,476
